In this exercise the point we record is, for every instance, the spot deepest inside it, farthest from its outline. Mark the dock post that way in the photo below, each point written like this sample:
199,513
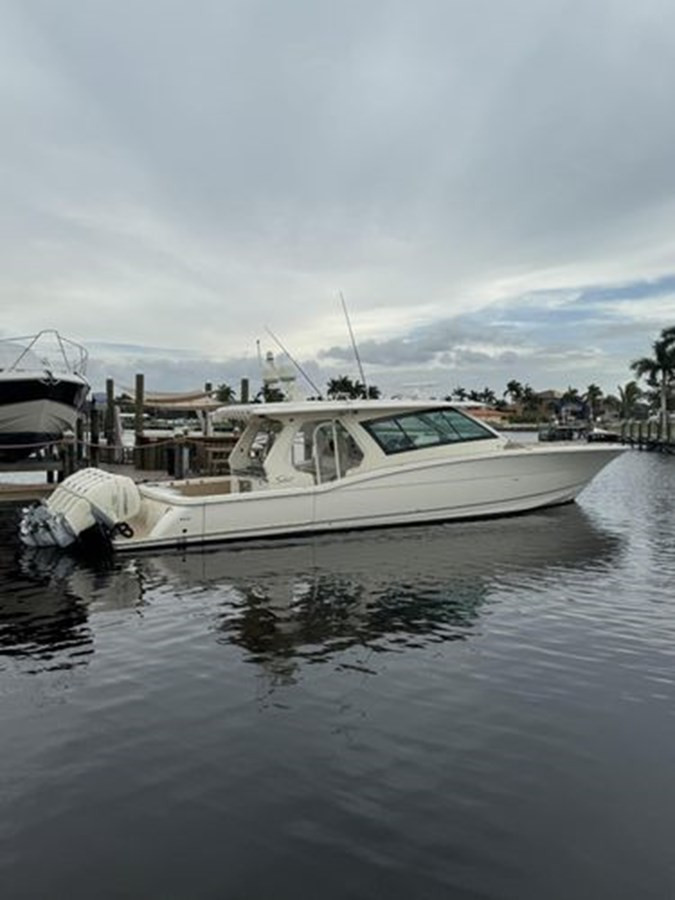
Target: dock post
51,452
178,459
79,440
138,422
244,391
181,457
205,416
95,435
67,454
71,459
110,419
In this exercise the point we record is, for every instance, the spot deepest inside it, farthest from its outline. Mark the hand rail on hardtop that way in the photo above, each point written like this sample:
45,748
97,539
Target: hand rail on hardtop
78,366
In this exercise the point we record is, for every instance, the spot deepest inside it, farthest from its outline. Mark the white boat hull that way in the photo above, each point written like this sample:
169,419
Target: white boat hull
36,417
27,427
514,482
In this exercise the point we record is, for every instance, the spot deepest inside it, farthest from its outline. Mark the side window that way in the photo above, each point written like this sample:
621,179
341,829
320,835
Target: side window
422,431
467,429
263,440
389,435
254,446
325,449
350,455
303,446
412,431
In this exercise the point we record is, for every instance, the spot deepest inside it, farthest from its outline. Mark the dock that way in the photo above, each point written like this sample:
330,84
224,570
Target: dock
154,458
23,493
143,454
650,436
52,468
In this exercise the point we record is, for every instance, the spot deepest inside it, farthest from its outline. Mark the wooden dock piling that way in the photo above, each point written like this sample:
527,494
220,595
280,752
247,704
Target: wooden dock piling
649,435
94,435
139,406
109,428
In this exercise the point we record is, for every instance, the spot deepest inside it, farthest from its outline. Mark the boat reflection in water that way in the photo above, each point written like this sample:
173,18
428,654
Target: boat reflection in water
46,603
384,591
289,602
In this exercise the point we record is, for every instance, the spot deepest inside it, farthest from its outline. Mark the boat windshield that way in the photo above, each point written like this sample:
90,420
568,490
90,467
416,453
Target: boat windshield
417,430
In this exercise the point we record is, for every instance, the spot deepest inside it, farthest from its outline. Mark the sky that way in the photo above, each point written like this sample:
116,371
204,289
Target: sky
490,184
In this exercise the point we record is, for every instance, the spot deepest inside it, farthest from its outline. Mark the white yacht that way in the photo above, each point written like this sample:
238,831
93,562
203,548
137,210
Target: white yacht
42,388
310,466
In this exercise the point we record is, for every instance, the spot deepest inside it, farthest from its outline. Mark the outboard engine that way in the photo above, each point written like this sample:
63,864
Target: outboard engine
87,499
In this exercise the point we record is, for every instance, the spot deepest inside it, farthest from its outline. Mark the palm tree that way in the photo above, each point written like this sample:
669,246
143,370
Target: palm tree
225,394
571,395
659,369
459,393
344,386
488,396
629,394
514,391
269,394
531,402
592,396
571,405
611,404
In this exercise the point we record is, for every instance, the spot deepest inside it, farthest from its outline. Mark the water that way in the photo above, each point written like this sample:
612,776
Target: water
478,710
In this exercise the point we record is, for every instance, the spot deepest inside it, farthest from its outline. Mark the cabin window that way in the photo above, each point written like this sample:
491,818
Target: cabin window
414,431
325,449
254,447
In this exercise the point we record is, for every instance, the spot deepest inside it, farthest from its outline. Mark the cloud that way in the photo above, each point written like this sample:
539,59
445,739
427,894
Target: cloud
486,183
582,332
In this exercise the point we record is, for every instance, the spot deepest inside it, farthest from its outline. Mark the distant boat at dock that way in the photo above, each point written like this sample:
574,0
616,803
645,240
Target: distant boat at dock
43,387
577,431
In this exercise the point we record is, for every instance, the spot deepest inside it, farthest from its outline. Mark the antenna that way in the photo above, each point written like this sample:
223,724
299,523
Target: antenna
295,363
354,347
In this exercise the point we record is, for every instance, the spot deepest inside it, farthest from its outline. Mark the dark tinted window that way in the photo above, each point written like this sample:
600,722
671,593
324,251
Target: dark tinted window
412,431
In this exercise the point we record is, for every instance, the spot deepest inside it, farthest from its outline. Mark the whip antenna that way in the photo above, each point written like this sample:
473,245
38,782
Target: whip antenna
354,347
295,363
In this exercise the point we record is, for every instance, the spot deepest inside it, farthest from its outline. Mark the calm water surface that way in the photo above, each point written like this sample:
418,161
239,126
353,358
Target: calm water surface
480,710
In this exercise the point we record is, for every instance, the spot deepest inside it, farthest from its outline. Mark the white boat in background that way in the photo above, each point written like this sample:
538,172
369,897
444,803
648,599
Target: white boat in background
309,466
42,389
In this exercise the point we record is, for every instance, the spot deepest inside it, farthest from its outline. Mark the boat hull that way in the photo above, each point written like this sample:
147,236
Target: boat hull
507,483
35,411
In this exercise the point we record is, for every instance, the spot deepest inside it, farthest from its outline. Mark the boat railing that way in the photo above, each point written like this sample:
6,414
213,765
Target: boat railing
51,350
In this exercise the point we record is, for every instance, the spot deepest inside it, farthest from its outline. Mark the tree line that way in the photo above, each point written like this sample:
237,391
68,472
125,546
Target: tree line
656,371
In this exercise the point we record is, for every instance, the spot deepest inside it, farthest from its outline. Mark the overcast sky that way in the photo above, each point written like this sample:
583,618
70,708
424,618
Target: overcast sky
491,185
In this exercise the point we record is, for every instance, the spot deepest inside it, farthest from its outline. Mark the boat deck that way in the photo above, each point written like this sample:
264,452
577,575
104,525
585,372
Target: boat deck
199,487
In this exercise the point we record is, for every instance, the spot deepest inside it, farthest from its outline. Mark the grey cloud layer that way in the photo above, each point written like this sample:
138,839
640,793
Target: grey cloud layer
185,174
